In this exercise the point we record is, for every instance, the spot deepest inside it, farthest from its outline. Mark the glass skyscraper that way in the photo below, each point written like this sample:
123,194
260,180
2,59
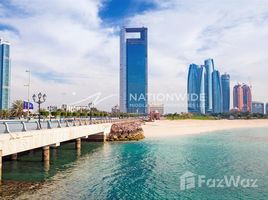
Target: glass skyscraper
208,91
209,65
257,107
238,97
196,89
202,94
247,98
225,81
4,75
133,70
193,89
216,92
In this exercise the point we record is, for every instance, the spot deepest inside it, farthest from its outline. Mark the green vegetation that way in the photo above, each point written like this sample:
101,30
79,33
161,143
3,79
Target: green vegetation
183,116
233,115
17,109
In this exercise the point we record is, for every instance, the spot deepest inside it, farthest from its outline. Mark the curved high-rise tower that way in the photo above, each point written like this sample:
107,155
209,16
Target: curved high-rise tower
238,97
193,89
216,92
202,89
209,65
196,89
247,98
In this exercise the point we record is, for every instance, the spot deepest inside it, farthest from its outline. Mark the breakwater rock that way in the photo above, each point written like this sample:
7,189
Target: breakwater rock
126,131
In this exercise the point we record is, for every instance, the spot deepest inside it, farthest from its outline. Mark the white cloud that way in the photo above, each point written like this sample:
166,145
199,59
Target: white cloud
63,38
234,33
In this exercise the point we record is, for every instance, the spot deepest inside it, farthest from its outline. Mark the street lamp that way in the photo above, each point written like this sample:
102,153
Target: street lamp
28,93
90,109
39,99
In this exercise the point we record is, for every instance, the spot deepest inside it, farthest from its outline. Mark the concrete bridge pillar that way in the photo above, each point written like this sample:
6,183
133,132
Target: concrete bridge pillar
14,156
78,143
45,153
0,166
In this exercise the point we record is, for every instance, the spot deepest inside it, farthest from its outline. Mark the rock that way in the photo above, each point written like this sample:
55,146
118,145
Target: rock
125,131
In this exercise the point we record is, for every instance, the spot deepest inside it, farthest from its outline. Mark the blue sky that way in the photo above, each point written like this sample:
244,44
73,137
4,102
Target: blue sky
115,11
73,48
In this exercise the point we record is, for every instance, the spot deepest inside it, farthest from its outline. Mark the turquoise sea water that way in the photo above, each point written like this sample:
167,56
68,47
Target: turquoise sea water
151,169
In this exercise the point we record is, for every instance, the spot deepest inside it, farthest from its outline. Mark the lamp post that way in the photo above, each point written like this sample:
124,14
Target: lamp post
28,92
39,99
90,109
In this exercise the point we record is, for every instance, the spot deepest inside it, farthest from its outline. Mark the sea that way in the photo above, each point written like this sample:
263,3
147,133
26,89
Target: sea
227,165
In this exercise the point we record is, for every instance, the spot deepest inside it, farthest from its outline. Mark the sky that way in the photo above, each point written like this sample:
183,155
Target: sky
72,47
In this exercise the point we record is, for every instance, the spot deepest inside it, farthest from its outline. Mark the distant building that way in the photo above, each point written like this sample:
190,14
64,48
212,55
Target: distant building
4,75
225,81
133,70
247,98
115,109
242,97
72,108
52,108
258,107
209,65
238,97
216,92
266,109
156,108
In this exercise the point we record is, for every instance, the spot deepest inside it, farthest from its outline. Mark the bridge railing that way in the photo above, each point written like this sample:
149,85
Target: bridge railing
13,126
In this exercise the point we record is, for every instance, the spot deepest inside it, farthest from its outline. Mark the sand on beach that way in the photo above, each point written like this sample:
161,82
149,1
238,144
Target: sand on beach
163,128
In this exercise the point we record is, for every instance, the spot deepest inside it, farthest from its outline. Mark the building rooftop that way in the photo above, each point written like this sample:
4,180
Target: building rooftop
2,41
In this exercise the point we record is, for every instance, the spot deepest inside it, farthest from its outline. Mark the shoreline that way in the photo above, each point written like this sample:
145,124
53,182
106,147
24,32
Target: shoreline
168,128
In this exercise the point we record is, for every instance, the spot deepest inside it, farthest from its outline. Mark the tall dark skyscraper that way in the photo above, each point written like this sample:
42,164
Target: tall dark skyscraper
225,81
193,89
209,65
216,92
133,70
4,75
208,92
196,89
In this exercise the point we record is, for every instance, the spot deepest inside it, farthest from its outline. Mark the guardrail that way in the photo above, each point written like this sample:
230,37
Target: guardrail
24,126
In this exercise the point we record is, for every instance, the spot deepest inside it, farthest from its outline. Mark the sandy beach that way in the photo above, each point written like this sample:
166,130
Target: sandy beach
165,128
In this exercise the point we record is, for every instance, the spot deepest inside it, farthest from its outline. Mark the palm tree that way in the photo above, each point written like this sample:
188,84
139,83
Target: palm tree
4,114
17,108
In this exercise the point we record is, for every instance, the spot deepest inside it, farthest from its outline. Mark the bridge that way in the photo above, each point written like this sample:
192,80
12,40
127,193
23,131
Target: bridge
22,136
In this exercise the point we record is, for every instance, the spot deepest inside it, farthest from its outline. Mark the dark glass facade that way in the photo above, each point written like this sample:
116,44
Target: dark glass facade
196,89
225,80
202,89
134,71
4,75
216,92
193,89
209,65
257,108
